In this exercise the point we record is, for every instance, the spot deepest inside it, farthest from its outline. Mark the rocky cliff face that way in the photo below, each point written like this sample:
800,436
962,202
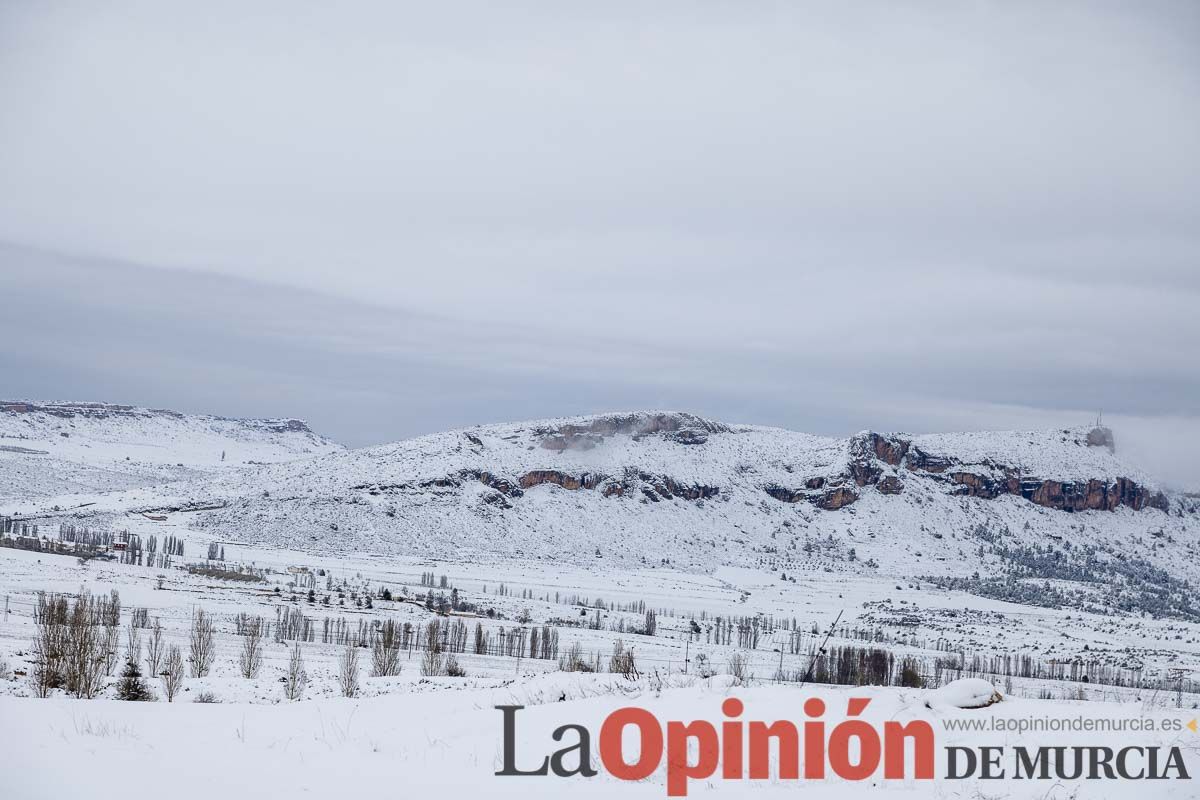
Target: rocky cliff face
881,462
652,487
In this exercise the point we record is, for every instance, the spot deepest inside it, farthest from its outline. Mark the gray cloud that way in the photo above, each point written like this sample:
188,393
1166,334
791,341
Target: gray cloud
391,218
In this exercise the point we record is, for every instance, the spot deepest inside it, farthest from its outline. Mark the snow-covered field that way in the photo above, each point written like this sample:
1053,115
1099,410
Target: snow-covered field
750,592
448,742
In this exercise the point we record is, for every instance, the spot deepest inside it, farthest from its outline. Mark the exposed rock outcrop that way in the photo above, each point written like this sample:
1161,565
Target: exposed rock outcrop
784,494
655,487
888,449
830,500
1090,495
537,477
868,450
880,460
1094,495
890,484
499,484
918,460
836,498
689,436
680,427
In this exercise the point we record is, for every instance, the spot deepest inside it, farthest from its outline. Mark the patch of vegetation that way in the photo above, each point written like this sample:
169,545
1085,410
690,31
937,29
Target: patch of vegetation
1107,579
224,574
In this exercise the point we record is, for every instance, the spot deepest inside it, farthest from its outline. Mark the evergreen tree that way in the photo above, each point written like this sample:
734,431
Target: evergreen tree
131,685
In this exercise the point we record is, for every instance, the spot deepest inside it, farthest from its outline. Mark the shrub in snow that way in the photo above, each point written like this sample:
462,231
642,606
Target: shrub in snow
622,661
573,660
737,669
910,675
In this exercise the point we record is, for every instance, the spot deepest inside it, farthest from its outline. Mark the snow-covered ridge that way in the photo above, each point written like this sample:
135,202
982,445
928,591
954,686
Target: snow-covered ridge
53,448
104,431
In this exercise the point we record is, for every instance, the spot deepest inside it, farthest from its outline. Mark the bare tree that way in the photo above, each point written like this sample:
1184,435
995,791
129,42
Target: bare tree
108,610
385,652
297,678
201,644
431,662
47,670
112,637
251,657
133,644
172,674
433,637
480,640
154,649
49,645
348,671
85,654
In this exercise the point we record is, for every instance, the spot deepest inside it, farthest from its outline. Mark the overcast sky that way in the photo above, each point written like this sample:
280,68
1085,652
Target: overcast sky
394,218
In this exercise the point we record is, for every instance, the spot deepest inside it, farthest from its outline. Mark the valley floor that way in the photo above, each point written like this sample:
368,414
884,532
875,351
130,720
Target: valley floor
414,732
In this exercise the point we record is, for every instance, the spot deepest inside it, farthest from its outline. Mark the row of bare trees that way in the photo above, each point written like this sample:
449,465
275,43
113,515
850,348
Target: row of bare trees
71,647
76,643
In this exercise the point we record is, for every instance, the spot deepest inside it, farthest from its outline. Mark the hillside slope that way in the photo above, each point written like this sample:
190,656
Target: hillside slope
59,448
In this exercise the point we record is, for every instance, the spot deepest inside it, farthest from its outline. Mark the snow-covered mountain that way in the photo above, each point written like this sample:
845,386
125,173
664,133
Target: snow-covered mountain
669,487
59,448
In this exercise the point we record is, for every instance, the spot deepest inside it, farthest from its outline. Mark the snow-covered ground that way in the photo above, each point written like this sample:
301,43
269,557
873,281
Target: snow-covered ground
448,742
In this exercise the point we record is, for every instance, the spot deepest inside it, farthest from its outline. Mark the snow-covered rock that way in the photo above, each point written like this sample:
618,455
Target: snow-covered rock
965,693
